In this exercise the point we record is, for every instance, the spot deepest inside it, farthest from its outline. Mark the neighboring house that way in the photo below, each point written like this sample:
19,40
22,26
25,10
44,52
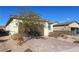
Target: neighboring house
2,27
72,27
2,31
13,26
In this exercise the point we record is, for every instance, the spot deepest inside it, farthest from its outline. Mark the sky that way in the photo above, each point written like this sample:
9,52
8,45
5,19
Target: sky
50,13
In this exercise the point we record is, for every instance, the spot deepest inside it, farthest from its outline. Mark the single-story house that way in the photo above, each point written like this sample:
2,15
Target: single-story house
1,28
72,27
3,32
13,25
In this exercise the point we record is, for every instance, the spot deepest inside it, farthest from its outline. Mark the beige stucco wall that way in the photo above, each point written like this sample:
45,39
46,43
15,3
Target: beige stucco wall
74,25
64,28
61,28
46,31
13,26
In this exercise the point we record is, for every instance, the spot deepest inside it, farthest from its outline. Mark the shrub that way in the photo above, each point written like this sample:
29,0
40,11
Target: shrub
28,50
3,32
18,38
8,50
58,33
3,41
76,41
61,35
34,34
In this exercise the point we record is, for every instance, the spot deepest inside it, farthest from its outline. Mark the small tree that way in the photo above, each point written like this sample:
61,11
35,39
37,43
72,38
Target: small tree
31,25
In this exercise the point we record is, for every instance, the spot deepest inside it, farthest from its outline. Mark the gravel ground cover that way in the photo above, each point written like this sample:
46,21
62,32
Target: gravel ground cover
49,44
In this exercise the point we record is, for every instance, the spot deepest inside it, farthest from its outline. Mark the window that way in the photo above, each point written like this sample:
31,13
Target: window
16,24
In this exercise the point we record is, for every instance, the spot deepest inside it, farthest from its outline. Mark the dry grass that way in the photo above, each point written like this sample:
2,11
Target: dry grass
1,41
18,38
28,50
76,42
8,51
58,33
64,35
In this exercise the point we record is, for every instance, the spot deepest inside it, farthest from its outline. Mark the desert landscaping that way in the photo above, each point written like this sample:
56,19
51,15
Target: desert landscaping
45,44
